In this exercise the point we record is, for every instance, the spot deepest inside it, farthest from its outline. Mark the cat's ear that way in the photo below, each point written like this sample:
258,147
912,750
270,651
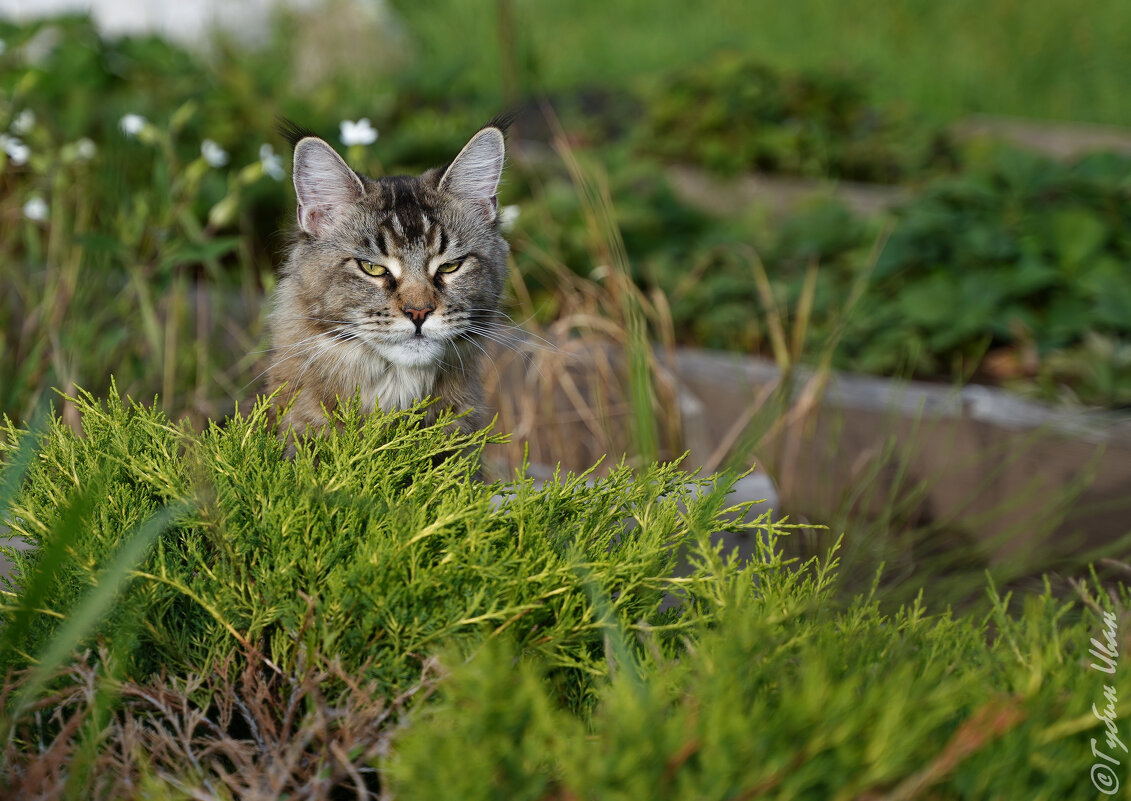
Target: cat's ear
475,173
325,185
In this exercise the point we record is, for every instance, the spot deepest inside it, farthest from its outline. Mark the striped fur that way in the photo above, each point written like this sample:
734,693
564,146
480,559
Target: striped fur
415,331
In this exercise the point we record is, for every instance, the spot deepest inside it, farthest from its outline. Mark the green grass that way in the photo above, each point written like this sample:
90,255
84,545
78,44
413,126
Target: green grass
787,697
414,629
1045,59
395,554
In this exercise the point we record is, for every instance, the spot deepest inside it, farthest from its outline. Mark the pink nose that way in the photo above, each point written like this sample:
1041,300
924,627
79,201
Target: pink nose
418,314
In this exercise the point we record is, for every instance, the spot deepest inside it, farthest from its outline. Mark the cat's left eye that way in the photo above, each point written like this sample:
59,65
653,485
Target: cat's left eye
450,267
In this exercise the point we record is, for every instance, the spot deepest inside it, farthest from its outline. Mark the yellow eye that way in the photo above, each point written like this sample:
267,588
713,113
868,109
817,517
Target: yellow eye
450,267
372,269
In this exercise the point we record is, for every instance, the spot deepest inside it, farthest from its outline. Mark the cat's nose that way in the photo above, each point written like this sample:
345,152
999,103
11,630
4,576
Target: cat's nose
418,314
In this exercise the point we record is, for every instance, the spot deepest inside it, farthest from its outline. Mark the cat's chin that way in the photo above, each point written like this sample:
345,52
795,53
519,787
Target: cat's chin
414,352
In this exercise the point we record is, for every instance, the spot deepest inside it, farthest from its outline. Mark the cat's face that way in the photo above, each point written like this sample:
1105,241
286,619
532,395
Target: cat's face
410,267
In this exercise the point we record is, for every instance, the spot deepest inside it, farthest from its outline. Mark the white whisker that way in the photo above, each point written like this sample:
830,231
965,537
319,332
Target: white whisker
302,351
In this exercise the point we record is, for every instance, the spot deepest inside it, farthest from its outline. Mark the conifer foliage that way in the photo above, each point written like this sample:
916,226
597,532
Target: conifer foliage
365,545
204,618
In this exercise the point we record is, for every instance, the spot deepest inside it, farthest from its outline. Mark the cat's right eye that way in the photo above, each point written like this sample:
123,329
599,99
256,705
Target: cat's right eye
369,268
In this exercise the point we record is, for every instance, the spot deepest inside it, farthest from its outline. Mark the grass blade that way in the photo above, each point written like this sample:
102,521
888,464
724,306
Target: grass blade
92,607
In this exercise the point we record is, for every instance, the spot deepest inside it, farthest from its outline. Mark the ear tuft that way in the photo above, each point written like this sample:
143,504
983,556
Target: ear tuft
503,120
292,131
475,173
325,186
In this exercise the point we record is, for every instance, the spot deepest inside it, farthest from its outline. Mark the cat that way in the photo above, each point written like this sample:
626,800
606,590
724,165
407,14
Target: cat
391,287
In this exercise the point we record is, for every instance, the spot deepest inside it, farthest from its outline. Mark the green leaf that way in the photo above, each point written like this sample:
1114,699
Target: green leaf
931,302
1077,235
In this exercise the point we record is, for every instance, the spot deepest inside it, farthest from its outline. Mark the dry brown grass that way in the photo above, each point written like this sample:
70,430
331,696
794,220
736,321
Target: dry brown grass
563,392
592,384
245,732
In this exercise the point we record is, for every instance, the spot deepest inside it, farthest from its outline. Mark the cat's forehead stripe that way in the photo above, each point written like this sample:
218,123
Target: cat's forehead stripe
404,211
405,225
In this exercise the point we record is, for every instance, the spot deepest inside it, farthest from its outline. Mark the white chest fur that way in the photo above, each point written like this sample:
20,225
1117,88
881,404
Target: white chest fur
384,383
397,387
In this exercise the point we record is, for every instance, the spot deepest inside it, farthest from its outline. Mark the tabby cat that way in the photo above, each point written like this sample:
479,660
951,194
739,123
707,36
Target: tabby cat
392,285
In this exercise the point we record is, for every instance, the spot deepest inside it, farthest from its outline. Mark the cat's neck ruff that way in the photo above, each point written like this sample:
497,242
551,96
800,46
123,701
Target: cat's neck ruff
384,383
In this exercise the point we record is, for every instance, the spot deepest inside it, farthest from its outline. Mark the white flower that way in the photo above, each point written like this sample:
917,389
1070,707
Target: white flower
36,209
39,47
85,149
132,124
215,155
358,133
18,152
24,122
272,164
508,215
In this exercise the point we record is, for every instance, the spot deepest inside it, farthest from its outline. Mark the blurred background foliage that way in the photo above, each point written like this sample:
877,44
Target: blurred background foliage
982,261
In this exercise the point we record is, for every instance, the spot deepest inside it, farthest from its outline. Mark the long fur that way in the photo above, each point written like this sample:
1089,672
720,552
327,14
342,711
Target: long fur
362,304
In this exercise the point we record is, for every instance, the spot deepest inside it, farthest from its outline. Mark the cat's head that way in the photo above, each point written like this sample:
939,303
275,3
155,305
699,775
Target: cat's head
410,266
